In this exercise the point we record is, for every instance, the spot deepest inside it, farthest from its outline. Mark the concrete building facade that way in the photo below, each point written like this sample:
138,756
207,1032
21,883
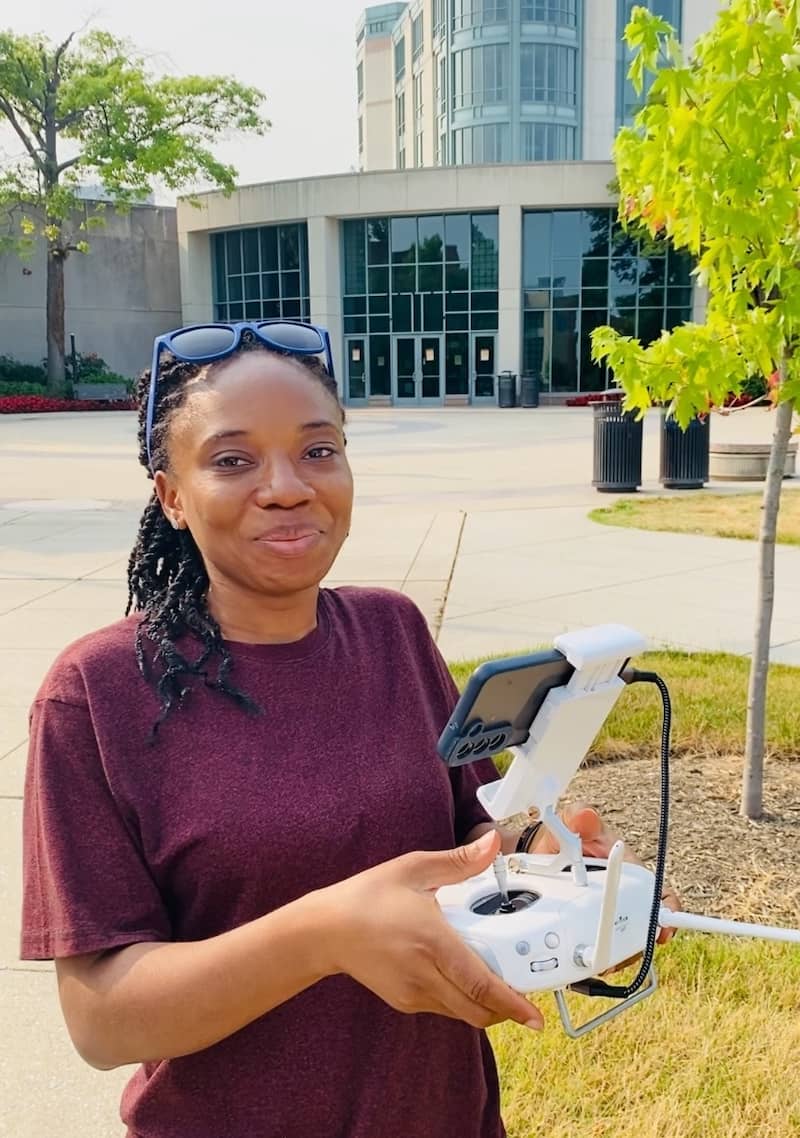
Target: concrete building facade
118,296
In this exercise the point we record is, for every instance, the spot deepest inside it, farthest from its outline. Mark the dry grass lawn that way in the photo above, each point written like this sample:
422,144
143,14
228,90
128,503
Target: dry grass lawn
714,515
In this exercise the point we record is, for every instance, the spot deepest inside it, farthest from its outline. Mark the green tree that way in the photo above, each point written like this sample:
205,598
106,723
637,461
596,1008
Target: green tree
713,163
88,110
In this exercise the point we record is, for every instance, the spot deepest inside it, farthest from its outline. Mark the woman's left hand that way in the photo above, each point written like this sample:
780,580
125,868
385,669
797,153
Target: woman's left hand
597,840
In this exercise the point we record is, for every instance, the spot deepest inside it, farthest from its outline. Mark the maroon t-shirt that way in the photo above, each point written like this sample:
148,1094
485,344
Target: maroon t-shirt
228,816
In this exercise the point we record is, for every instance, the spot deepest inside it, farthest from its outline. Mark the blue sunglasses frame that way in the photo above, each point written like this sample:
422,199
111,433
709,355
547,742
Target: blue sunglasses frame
256,328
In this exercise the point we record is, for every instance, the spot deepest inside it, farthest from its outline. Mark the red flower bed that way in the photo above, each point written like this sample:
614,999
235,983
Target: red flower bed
25,404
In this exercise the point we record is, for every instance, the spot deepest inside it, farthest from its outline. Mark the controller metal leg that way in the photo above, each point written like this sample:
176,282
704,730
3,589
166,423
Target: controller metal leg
575,1032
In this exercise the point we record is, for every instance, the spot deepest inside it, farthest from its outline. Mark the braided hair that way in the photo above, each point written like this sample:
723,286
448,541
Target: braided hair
167,577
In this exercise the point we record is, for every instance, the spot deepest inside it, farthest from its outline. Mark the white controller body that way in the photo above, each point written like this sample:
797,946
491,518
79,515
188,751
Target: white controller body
553,942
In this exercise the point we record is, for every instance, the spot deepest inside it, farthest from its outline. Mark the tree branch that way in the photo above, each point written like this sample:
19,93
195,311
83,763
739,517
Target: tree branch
69,163
8,111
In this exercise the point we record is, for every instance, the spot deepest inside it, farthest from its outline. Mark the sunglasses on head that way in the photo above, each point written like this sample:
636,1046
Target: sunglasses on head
205,343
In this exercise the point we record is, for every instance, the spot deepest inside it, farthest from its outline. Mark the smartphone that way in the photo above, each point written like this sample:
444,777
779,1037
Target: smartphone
499,704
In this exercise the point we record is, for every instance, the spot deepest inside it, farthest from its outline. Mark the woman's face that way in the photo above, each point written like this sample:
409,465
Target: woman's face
258,474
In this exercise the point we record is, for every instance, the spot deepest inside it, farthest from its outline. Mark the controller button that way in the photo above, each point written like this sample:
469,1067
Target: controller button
544,965
552,940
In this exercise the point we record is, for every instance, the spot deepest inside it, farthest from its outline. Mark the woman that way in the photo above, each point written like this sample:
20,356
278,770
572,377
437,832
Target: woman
235,816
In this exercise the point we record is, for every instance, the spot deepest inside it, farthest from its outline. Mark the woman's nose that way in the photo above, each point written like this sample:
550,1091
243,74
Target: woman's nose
283,484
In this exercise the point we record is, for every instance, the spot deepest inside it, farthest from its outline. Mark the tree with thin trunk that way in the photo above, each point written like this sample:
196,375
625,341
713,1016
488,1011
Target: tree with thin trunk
712,163
89,110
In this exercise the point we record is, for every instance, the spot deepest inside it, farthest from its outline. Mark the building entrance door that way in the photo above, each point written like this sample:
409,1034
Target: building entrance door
418,371
483,371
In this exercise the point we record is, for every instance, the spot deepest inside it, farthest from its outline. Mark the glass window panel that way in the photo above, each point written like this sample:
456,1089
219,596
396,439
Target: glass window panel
221,312
484,301
379,323
457,237
404,278
623,320
536,344
234,288
566,284
456,320
432,314
379,280
651,297
679,268
378,241
379,302
484,321
679,297
567,233
676,317
218,256
456,277
252,287
457,301
233,246
354,259
484,251
594,297
537,298
250,250
623,282
651,322
404,240
355,305
271,309
290,284
564,367
593,375
292,309
431,239
271,286
430,278
401,312
652,271
380,366
456,363
269,248
236,311
356,369
537,231
623,244
596,232
355,324
290,246
594,273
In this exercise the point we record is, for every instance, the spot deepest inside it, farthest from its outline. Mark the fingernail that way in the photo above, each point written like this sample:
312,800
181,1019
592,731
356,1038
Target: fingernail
534,1024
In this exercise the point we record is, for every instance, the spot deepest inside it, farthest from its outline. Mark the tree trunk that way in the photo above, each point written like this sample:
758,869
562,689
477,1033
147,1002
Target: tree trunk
55,319
752,780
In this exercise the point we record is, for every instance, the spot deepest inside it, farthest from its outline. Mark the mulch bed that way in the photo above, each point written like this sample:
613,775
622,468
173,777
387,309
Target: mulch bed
722,864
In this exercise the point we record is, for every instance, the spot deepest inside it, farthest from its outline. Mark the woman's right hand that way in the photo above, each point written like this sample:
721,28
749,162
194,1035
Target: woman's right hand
388,933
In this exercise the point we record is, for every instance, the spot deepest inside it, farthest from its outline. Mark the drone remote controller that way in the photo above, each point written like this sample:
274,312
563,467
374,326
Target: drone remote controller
551,922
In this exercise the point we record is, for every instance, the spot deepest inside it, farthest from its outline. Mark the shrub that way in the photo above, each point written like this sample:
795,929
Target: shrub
12,371
13,388
27,404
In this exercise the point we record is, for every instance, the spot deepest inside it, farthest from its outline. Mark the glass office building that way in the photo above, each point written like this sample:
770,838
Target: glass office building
261,273
420,307
581,271
628,102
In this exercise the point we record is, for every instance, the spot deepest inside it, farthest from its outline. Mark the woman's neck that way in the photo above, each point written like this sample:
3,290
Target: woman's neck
260,619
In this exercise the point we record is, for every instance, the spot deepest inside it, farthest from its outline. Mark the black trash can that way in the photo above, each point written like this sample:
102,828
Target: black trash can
529,391
684,454
507,389
617,446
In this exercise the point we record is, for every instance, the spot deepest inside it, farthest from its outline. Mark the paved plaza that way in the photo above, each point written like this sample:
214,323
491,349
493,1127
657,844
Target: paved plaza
479,515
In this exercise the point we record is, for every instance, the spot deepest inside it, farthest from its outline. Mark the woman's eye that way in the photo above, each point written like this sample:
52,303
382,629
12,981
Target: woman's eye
229,461
321,452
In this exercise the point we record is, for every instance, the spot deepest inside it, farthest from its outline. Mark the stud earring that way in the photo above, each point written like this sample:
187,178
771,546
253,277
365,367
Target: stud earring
175,523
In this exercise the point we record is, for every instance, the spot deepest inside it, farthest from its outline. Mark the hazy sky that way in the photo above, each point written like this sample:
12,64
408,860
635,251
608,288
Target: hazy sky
300,53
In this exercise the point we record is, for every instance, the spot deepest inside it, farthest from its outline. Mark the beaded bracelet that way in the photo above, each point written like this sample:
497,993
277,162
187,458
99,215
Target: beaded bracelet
527,837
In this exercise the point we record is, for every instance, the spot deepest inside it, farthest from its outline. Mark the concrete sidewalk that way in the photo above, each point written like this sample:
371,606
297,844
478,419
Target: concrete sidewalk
479,515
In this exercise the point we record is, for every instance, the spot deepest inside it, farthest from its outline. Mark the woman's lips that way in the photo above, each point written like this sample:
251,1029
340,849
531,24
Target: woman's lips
288,542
